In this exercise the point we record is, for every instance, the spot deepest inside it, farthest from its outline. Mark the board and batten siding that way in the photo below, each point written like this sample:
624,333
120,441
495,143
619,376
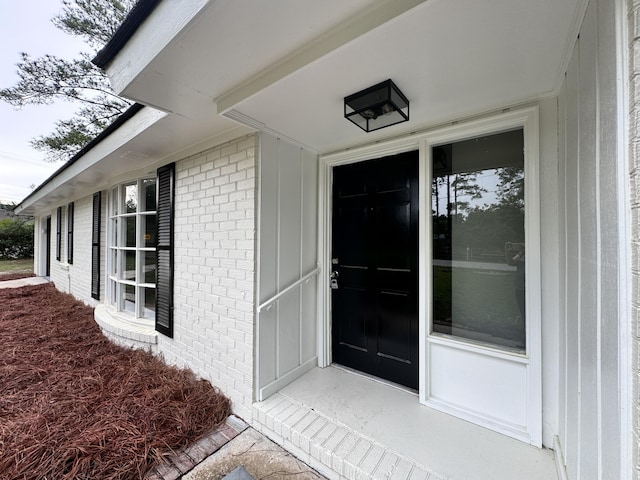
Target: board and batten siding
589,427
286,328
633,15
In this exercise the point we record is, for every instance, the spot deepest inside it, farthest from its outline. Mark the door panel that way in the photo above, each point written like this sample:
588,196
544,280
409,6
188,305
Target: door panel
375,229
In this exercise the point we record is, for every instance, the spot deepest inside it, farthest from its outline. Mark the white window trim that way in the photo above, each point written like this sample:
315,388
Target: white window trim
132,317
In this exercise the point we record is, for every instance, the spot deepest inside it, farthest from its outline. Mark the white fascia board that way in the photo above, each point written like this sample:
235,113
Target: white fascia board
156,32
140,122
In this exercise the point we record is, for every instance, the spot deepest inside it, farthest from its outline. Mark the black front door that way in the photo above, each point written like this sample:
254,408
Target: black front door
48,247
375,267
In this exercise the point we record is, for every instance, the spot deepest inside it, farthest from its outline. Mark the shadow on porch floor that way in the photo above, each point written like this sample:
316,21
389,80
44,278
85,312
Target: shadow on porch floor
350,426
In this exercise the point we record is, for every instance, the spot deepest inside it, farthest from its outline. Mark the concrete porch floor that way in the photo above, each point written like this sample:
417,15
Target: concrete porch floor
347,425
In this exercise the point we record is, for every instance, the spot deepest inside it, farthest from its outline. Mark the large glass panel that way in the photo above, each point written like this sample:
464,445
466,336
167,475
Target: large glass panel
129,233
149,295
128,265
130,200
148,228
149,268
148,198
478,240
114,232
113,262
128,298
114,201
112,292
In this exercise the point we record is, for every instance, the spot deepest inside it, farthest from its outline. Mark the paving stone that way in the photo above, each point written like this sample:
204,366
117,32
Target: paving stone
237,423
238,473
259,456
183,462
168,471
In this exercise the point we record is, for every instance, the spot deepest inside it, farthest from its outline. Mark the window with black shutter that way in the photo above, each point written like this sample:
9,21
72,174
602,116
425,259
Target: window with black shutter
95,246
70,208
164,250
59,233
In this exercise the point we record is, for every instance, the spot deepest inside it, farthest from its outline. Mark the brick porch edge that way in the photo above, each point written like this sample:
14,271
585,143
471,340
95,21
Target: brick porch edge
183,461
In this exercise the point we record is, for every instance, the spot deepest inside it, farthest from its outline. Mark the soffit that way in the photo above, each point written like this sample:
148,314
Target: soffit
286,66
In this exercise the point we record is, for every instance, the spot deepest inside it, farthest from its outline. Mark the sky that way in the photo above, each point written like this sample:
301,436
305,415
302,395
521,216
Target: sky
25,26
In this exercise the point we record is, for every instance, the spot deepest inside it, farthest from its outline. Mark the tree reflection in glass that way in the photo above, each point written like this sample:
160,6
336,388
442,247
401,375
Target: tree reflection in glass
478,240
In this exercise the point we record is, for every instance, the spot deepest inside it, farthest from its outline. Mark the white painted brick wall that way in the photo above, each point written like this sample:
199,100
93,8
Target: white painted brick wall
215,269
75,278
59,268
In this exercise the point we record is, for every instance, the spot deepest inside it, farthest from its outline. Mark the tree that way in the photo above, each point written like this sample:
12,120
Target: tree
48,79
16,238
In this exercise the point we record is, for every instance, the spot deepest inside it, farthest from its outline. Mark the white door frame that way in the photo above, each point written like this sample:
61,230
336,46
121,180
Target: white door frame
526,118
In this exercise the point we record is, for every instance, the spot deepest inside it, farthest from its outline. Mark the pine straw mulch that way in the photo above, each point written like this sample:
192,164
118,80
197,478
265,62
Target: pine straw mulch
14,276
75,406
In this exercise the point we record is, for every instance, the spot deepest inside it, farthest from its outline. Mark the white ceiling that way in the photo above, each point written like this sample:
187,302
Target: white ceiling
288,64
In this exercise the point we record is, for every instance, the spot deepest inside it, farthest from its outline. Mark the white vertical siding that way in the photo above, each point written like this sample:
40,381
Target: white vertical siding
589,228
632,42
287,252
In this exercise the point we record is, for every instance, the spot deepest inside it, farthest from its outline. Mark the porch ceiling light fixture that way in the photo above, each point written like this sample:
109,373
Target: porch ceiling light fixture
377,107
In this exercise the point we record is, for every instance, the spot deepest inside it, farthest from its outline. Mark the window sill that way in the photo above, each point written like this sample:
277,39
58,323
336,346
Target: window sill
117,327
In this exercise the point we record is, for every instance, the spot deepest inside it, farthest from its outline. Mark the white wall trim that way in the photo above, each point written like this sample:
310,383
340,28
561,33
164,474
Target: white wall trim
528,119
559,458
625,297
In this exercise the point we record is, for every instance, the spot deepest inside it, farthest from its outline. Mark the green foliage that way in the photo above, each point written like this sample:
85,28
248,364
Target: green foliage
95,20
45,80
16,239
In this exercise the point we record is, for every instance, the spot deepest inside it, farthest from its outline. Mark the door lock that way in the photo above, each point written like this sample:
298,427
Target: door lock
334,280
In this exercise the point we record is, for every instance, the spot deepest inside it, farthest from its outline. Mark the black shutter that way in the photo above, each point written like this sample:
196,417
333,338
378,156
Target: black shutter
70,208
95,246
164,250
59,234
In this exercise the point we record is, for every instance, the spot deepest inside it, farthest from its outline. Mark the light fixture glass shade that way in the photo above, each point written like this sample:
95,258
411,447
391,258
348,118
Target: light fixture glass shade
377,107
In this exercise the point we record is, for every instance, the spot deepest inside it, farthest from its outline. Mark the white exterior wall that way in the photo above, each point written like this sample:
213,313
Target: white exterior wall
288,245
80,270
59,268
214,272
634,205
589,429
75,278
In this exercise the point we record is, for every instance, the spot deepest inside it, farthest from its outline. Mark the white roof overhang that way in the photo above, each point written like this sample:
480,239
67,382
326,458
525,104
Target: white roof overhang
147,140
286,66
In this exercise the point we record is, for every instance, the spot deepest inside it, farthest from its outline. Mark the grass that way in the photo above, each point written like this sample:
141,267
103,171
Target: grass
478,302
12,266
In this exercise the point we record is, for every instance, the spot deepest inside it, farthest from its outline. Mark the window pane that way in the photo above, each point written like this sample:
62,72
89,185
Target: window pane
130,200
113,232
149,268
113,262
129,226
149,295
112,292
148,200
128,298
114,201
148,229
478,240
128,266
